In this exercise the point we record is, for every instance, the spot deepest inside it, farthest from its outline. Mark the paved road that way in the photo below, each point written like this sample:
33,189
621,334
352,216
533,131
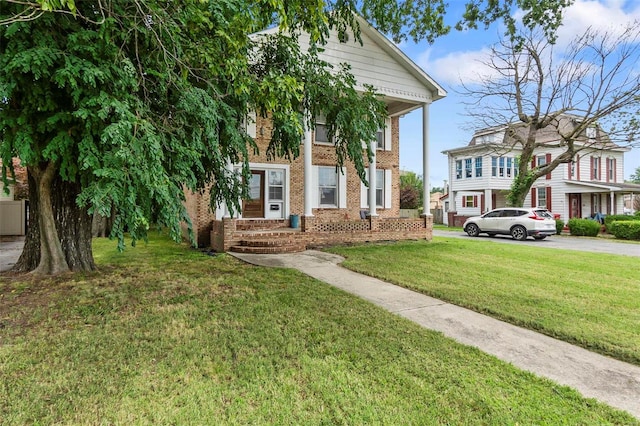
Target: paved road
567,242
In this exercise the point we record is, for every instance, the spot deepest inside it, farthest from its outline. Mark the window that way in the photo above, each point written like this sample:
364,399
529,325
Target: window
494,166
501,167
516,163
380,188
467,168
595,168
470,201
458,169
572,170
541,160
321,134
276,185
611,165
591,132
478,167
542,197
380,139
509,165
328,186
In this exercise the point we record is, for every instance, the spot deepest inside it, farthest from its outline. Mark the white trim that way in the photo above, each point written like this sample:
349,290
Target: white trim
387,189
251,124
364,192
387,134
286,202
342,188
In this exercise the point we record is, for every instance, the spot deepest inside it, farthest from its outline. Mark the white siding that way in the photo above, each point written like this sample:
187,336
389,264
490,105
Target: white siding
370,64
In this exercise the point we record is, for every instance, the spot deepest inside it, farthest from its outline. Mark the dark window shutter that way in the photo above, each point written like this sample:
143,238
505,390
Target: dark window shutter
549,198
593,175
533,197
475,201
482,203
533,162
615,169
607,169
548,161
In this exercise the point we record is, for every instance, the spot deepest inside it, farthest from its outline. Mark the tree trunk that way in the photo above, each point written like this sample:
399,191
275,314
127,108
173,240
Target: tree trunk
72,226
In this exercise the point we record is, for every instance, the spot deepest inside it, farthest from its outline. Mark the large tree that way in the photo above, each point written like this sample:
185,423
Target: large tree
579,99
117,106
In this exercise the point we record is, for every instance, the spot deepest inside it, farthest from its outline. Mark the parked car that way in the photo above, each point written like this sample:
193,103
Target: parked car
518,222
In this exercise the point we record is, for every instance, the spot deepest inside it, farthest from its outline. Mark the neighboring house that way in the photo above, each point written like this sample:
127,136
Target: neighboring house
13,206
331,206
481,174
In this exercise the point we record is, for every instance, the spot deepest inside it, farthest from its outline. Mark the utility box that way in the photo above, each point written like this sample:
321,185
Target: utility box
12,217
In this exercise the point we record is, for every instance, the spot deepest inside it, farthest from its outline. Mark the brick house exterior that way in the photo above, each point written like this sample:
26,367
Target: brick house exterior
331,207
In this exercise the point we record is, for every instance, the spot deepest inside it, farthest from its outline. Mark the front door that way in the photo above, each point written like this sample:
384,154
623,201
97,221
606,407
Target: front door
575,206
253,207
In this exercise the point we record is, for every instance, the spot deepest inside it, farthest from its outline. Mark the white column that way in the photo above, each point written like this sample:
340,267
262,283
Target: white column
425,160
613,202
488,200
372,182
227,212
308,167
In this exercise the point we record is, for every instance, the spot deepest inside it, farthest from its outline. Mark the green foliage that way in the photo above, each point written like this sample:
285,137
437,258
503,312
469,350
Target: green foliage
584,227
411,190
616,217
635,177
559,226
626,230
137,101
520,188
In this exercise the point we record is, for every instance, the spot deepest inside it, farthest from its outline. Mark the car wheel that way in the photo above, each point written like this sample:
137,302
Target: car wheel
472,230
519,233
539,237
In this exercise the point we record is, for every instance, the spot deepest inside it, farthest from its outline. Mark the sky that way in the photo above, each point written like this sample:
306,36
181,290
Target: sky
452,56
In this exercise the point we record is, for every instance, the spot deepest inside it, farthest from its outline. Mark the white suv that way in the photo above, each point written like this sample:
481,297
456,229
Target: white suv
518,222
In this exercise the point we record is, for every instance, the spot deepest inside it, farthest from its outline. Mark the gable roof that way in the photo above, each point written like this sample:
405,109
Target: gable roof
379,63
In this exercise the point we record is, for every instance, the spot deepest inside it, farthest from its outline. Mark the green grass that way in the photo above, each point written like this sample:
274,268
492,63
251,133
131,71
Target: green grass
167,335
592,300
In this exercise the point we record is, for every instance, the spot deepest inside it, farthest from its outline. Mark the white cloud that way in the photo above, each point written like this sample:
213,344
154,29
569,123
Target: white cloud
604,15
455,67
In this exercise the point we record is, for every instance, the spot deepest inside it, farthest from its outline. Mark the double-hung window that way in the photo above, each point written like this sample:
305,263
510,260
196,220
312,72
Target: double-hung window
328,186
494,166
458,169
379,188
501,167
509,166
467,168
478,167
322,134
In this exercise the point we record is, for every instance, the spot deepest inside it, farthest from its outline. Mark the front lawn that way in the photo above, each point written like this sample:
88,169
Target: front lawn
592,300
167,335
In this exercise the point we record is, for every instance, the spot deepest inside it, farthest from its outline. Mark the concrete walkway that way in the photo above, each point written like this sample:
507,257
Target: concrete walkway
613,382
10,250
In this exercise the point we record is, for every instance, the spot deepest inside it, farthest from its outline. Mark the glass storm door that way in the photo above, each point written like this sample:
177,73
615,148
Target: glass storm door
253,207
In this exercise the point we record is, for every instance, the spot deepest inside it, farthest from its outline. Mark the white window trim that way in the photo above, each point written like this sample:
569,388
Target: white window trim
250,123
386,193
342,189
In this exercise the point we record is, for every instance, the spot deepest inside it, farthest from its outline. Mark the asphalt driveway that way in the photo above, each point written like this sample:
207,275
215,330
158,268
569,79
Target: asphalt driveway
567,242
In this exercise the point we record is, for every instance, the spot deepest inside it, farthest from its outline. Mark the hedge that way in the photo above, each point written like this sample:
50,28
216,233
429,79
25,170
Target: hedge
584,227
617,217
624,229
559,226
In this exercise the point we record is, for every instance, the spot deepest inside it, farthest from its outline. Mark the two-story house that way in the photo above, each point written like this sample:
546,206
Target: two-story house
481,174
306,201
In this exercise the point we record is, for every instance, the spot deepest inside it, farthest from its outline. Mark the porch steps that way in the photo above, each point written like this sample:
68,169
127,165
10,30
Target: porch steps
279,240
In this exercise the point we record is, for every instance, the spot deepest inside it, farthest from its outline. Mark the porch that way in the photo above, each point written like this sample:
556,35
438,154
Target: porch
276,236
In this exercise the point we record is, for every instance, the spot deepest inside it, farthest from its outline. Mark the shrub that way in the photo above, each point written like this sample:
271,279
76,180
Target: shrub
625,229
559,226
617,217
584,227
